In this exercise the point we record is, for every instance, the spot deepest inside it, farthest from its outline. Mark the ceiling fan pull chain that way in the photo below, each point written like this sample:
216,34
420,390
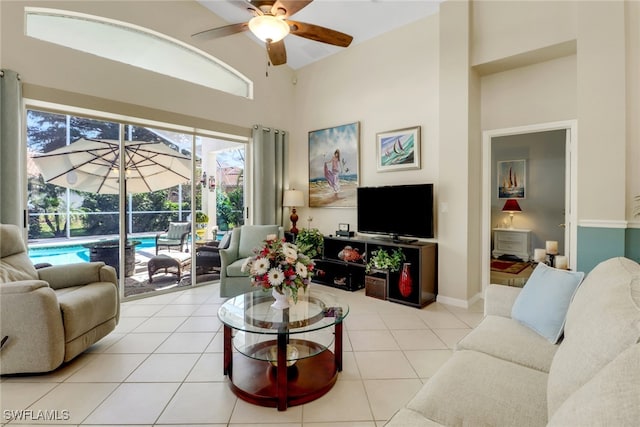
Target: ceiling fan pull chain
266,68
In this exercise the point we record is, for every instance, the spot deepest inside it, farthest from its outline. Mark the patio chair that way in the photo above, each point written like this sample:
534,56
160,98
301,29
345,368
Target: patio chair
208,255
175,236
51,314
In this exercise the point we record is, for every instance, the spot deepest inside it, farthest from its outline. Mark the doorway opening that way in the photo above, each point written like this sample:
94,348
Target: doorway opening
537,161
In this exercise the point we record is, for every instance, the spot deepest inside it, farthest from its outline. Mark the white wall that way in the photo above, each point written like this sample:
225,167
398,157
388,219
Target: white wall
45,65
633,108
387,83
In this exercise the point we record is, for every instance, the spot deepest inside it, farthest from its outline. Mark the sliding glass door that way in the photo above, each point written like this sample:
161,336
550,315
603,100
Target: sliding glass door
79,213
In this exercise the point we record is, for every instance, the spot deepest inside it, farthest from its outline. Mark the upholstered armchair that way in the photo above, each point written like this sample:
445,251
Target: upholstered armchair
176,235
234,281
50,315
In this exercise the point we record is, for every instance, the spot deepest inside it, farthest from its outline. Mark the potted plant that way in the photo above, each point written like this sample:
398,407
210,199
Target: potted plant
310,242
202,220
381,259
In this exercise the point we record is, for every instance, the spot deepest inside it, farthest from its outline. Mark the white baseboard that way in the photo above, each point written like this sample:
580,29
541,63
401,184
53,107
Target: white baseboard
456,302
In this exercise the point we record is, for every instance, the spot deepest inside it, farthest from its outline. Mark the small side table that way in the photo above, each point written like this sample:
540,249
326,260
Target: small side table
512,241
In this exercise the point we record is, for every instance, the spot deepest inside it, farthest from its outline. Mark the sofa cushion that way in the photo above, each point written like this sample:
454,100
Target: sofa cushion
85,307
543,303
11,273
505,339
235,269
603,320
409,418
474,388
610,398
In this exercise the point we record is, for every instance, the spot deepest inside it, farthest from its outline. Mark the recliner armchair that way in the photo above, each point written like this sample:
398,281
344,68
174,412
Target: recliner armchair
50,315
234,281
176,235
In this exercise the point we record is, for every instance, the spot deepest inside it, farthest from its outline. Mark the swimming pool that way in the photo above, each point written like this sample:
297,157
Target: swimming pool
71,253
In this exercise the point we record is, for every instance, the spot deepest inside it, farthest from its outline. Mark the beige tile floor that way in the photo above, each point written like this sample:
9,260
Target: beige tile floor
163,366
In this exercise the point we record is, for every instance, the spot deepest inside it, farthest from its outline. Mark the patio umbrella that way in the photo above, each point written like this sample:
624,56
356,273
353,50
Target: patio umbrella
92,165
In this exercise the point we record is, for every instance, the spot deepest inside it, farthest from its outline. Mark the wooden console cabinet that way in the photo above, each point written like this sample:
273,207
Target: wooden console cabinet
342,268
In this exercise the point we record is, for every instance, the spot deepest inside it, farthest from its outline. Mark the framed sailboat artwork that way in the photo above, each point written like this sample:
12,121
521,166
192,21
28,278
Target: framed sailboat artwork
512,179
398,149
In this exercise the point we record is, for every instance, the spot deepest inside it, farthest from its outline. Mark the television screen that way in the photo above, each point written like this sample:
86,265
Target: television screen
396,210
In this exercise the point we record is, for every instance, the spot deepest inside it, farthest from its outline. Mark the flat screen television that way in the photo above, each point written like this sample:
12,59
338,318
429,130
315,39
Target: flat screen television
396,210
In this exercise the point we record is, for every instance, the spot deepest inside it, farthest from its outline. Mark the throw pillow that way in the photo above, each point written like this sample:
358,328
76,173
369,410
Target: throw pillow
225,241
543,303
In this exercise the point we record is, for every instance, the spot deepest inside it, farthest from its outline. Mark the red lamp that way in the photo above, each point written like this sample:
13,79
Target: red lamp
512,207
293,199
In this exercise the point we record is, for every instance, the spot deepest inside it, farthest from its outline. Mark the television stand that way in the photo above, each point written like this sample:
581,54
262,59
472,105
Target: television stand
343,266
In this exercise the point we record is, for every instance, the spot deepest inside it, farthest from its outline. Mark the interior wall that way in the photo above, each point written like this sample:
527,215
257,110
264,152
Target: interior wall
503,29
632,14
46,65
544,202
379,85
538,93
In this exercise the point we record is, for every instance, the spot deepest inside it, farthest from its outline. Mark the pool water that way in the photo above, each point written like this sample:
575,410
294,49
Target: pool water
70,253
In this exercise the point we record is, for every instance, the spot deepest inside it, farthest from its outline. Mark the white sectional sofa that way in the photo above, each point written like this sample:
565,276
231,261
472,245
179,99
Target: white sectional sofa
505,373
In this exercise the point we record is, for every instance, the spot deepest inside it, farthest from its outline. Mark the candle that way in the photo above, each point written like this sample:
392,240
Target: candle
561,262
539,255
552,247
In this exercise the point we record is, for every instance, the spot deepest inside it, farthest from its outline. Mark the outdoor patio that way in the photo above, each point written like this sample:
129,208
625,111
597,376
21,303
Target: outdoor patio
137,283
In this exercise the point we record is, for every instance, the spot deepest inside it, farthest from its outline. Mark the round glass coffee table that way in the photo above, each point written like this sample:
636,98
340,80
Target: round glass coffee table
282,357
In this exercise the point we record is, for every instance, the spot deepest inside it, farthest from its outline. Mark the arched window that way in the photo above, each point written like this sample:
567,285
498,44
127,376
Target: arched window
124,42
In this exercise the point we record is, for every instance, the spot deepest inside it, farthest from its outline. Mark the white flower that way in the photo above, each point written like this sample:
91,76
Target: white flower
245,265
290,245
289,253
276,276
260,266
301,270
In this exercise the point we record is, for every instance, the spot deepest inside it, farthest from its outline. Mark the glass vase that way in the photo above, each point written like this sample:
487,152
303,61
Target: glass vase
405,284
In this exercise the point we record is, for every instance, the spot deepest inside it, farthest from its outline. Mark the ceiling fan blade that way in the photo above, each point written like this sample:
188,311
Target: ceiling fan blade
227,30
290,7
277,53
319,34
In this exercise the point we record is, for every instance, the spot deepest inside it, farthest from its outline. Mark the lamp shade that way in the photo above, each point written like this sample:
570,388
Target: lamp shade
268,28
511,205
293,198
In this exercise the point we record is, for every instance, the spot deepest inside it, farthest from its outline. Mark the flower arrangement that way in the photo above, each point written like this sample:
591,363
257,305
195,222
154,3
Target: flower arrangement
279,265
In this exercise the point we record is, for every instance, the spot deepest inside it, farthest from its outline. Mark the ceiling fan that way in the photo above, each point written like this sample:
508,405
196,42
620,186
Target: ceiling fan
271,24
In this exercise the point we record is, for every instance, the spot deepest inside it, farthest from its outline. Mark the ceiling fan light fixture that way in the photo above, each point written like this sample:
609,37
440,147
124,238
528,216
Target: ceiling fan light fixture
268,28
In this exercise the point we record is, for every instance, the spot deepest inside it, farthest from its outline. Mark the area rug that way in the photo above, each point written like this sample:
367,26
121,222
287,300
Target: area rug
509,267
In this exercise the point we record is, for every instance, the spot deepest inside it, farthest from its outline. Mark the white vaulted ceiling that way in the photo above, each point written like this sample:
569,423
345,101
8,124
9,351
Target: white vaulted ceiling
362,19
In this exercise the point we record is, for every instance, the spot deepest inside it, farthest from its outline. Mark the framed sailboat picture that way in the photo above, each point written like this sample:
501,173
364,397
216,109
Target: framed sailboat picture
398,149
512,179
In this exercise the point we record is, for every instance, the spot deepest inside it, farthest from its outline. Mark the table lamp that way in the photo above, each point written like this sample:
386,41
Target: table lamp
293,198
512,207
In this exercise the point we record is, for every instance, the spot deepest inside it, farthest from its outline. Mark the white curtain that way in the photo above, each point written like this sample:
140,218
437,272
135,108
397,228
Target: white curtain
269,174
13,152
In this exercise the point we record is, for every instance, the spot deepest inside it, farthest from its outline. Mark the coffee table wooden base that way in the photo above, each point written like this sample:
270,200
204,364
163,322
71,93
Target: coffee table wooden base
256,381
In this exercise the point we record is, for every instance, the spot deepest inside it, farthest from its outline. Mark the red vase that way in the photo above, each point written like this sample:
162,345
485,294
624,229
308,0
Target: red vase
405,284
